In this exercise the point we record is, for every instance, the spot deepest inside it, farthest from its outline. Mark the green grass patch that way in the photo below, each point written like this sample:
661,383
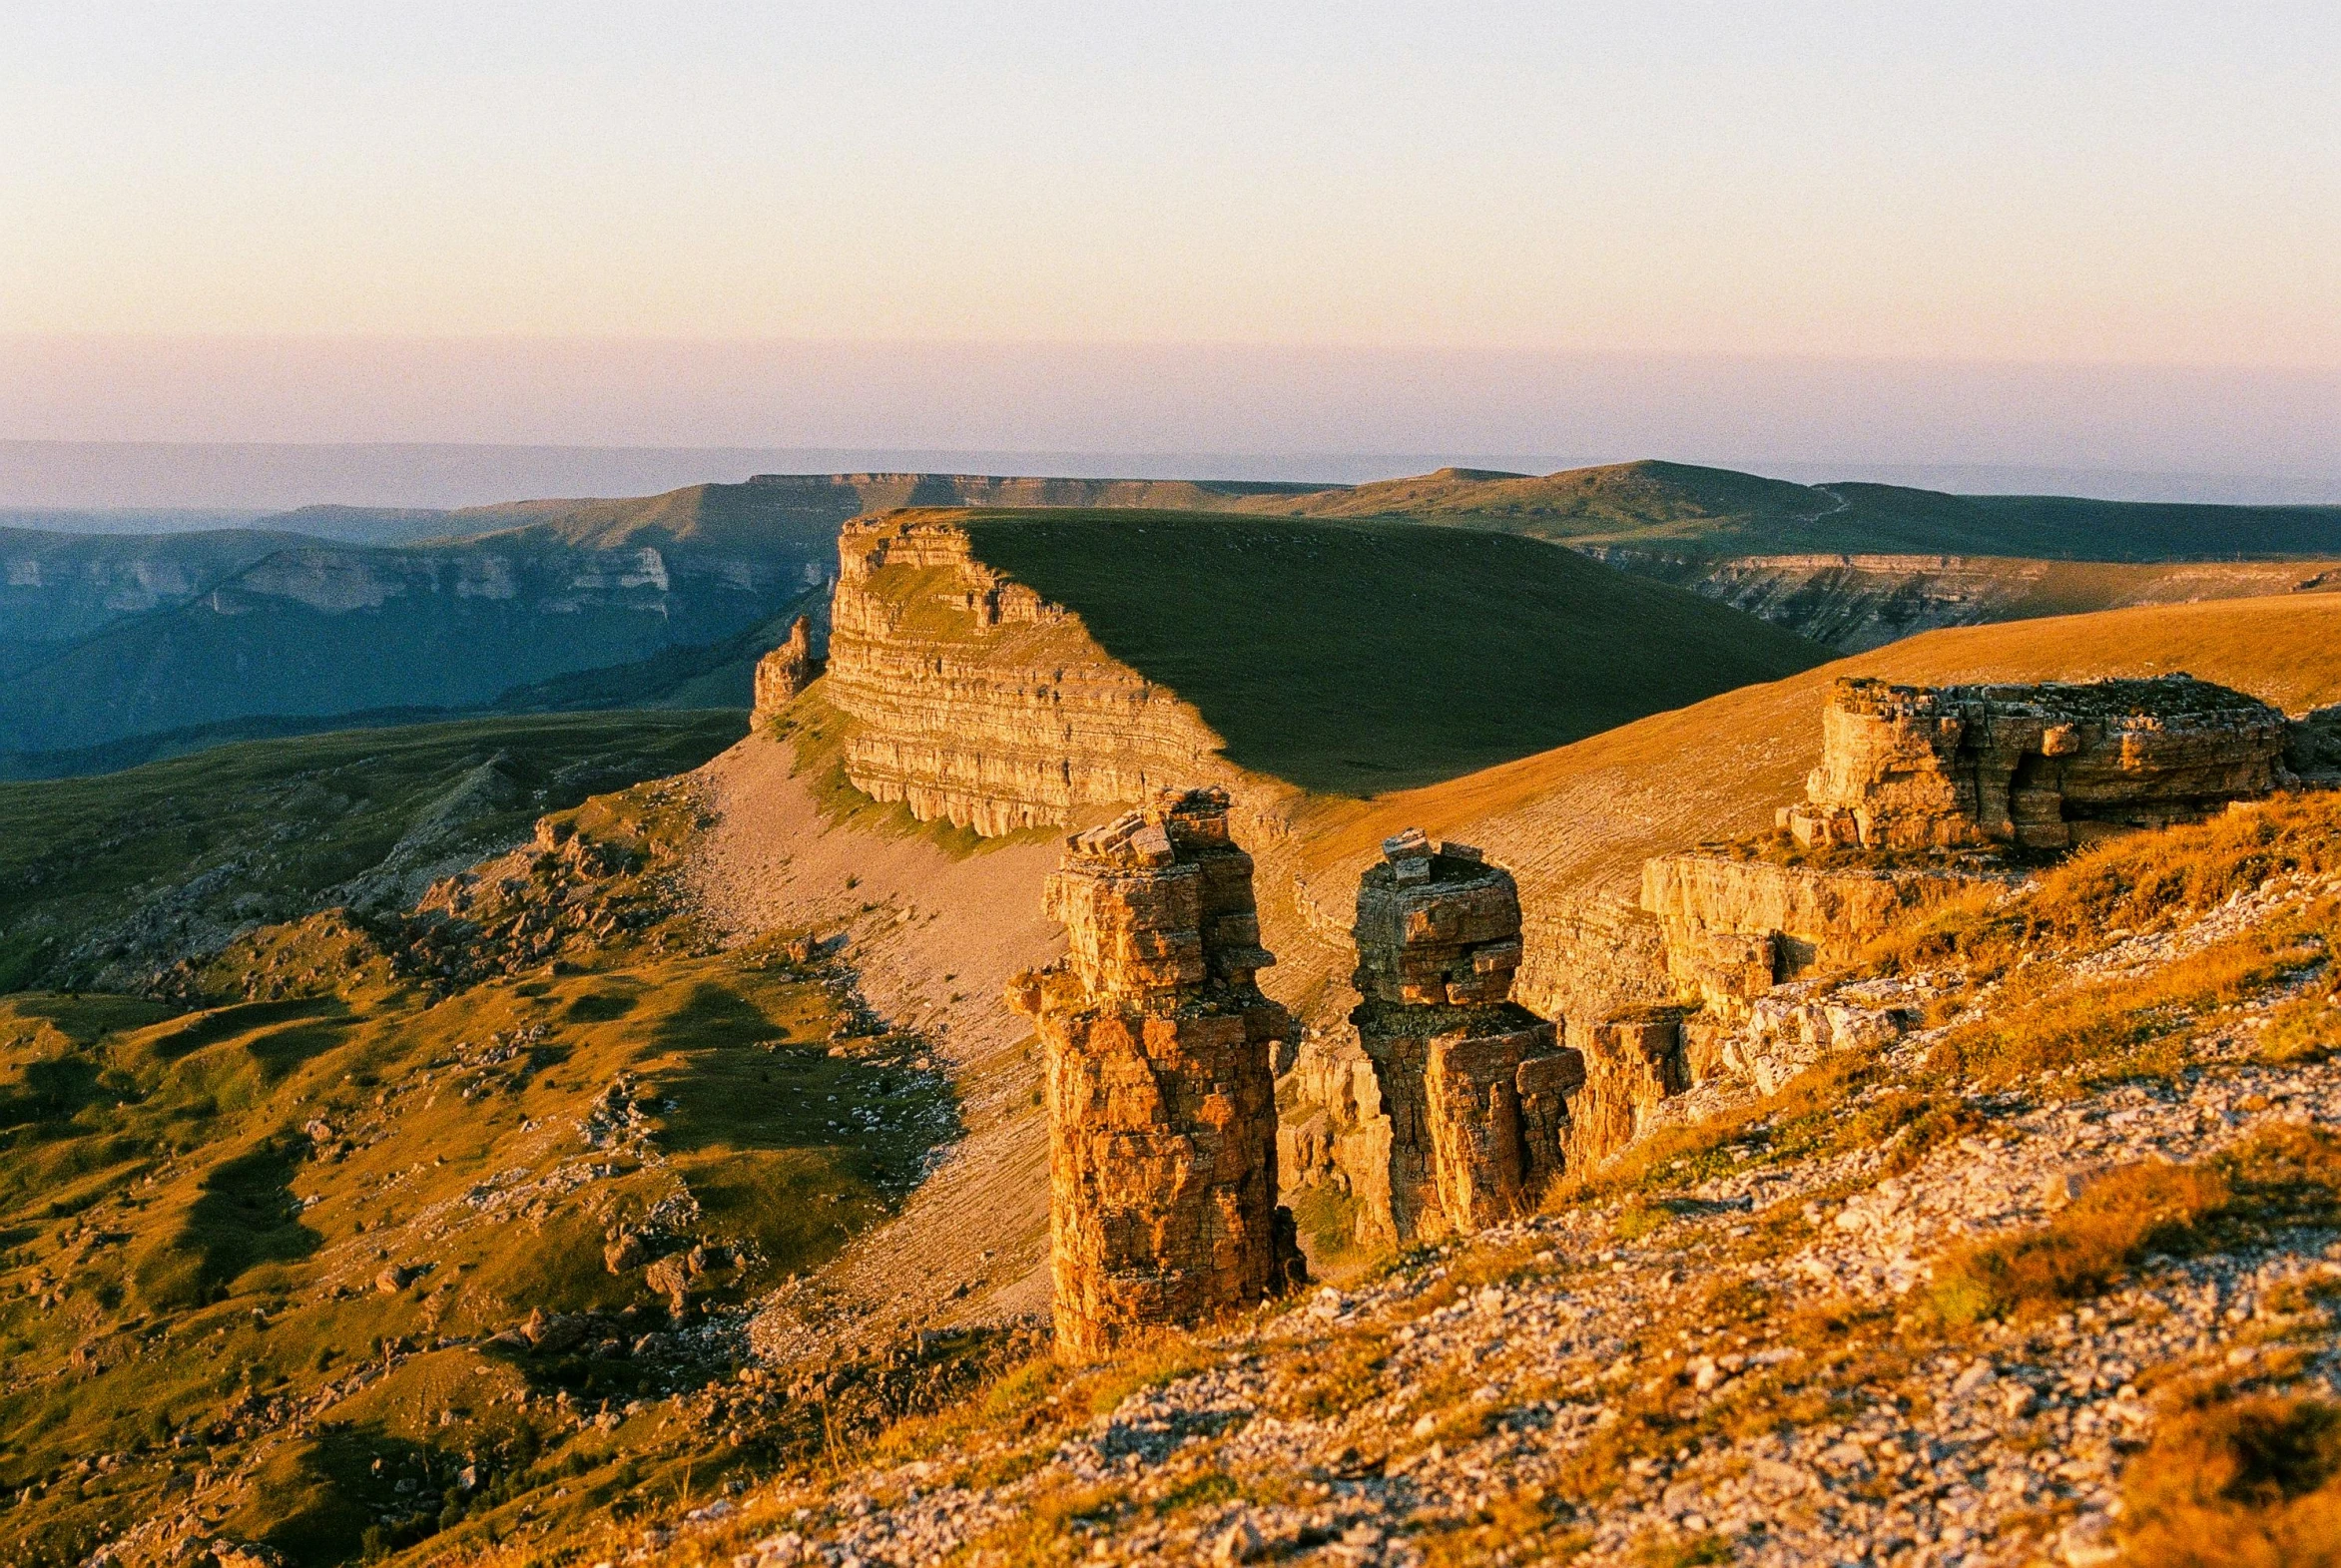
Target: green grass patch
263,831
1356,658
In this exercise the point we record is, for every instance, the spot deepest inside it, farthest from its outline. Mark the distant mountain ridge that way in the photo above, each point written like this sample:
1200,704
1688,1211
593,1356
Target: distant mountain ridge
1719,511
328,611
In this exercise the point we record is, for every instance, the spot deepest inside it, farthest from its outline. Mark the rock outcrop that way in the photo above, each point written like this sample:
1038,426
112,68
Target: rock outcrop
1737,925
2036,767
784,673
1161,1099
1466,1116
1918,793
976,701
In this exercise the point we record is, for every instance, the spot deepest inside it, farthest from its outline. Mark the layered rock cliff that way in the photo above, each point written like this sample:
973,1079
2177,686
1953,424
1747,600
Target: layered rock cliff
976,702
1857,602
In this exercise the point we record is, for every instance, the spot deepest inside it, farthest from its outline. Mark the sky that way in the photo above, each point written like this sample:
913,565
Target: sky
847,225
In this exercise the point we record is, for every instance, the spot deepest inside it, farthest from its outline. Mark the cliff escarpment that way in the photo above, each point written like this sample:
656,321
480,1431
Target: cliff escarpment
975,701
1003,669
1857,602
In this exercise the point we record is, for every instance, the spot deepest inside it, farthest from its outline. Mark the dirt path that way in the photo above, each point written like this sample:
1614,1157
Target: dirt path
934,938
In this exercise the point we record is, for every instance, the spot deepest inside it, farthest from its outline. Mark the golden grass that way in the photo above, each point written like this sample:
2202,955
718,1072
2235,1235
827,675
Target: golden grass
2106,1232
2284,1176
1723,773
2237,1482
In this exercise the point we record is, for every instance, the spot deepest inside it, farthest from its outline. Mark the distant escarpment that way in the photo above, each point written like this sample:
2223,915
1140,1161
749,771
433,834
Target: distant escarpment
976,702
1857,602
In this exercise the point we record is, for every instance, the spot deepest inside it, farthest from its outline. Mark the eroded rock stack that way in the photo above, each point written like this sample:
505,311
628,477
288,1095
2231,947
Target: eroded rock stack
2036,767
784,673
1474,1089
1161,1100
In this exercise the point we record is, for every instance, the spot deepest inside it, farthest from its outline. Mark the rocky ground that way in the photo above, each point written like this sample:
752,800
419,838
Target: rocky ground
1759,1340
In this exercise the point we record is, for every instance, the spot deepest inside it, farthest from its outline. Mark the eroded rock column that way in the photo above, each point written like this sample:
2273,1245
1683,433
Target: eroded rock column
1475,1087
784,673
1161,1103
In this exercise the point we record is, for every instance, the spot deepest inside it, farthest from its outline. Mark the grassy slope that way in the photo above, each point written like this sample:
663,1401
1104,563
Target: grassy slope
1721,511
195,1209
258,830
1354,657
720,513
1586,815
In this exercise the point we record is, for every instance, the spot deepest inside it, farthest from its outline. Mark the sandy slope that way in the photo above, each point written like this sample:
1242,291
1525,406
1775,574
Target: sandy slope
936,939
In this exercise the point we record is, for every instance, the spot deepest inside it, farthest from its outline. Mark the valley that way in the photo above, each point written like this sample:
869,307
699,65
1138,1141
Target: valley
598,1135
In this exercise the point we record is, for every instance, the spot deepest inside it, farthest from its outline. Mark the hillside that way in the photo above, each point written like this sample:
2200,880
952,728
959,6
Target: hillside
1359,657
1853,603
1576,822
104,881
733,513
534,1219
1716,511
2049,1279
57,587
440,1224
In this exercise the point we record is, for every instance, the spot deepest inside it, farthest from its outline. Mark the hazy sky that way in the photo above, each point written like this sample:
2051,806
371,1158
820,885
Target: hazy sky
2134,185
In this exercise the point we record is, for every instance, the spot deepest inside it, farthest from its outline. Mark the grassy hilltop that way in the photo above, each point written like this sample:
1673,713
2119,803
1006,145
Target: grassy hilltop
1359,657
1719,511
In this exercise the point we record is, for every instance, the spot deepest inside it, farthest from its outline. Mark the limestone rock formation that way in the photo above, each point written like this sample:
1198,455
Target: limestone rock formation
1629,1065
1473,1091
1161,1100
2037,767
1736,926
785,672
976,702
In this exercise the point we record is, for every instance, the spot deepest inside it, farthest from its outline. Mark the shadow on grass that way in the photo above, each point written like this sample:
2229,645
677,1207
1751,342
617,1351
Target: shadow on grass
243,1217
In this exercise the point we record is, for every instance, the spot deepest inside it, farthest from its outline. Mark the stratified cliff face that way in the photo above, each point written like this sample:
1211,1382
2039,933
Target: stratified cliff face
1854,602
978,703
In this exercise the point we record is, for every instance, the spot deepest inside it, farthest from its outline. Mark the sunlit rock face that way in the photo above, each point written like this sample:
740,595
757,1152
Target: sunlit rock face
976,702
2036,767
1472,1116
1161,1099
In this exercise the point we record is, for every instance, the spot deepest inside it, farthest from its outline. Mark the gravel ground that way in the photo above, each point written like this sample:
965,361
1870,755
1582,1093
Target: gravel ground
1736,1369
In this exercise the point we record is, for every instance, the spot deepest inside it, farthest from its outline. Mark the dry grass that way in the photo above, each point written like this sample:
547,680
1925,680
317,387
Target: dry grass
2110,1023
2237,1482
1589,813
2106,1232
2286,1176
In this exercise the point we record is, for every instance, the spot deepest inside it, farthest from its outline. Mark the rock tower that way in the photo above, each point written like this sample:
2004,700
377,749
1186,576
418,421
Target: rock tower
1161,1099
784,671
1475,1088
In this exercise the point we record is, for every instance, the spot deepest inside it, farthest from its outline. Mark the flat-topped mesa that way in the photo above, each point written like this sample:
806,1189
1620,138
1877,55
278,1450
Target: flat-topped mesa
2035,766
784,673
1161,1099
1473,1088
973,699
